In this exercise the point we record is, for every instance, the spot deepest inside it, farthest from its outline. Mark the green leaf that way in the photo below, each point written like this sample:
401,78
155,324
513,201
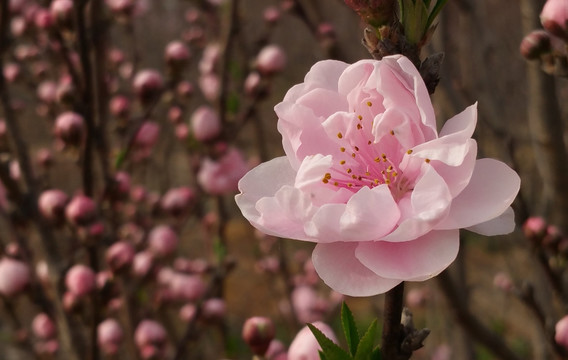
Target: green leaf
377,354
435,11
330,349
120,158
415,17
365,348
322,355
349,328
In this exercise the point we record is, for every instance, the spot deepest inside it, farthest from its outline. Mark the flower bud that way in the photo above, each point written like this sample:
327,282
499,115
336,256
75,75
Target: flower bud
561,335
70,128
374,12
305,346
109,336
535,44
210,86
52,203
184,89
162,240
147,85
222,176
142,264
81,210
258,333
43,327
120,106
554,18
44,158
503,281
148,135
150,332
417,297
187,312
43,19
205,123
14,276
271,59
80,280
62,12
214,309
119,255
47,91
11,72
121,8
176,54
177,201
271,15
252,83
535,228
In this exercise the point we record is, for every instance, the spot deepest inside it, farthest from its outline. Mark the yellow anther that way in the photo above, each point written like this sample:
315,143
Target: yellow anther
325,181
356,148
387,181
360,117
350,185
349,171
427,161
367,173
394,174
392,132
342,149
342,162
376,181
369,103
409,152
336,183
359,127
377,159
327,176
353,155
354,177
339,135
369,142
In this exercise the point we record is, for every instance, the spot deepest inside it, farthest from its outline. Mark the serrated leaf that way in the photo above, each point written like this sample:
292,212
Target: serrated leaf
322,355
377,354
435,11
365,348
349,328
330,349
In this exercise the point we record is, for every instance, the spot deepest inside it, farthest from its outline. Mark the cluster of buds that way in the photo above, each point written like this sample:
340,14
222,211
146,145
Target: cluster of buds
549,46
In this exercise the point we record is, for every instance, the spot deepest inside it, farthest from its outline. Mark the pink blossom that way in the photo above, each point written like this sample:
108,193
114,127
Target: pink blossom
47,91
162,240
149,332
554,17
214,309
176,53
80,280
11,72
210,86
119,255
368,178
70,128
82,210
205,123
177,201
271,59
222,176
109,336
305,346
51,204
561,335
142,263
147,84
14,276
43,327
258,332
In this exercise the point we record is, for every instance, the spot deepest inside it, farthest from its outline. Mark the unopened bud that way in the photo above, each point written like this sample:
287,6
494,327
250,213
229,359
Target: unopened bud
554,18
52,203
80,280
147,85
535,44
374,12
14,276
561,335
271,59
81,210
70,128
258,332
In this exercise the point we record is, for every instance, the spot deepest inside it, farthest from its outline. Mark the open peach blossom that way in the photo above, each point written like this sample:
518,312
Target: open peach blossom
368,177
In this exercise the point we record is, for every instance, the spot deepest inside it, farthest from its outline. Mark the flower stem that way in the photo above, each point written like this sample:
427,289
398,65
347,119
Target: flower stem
392,328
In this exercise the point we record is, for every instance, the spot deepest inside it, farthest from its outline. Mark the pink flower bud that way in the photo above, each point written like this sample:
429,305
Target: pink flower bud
271,59
49,347
43,327
52,203
222,176
210,86
119,255
305,346
176,54
116,56
44,157
184,89
258,332
210,58
205,123
503,281
174,114
375,12
252,83
65,92
187,312
177,201
417,297
142,263
80,280
442,352
214,309
14,276
81,210
305,302
535,44
147,85
121,7
42,271
181,131
70,128
47,91
554,18
162,240
271,14
276,351
119,106
182,287
70,301
109,336
148,135
535,228
62,12
149,332
11,72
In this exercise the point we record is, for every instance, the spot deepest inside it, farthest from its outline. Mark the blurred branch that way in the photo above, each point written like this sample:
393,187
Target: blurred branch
392,328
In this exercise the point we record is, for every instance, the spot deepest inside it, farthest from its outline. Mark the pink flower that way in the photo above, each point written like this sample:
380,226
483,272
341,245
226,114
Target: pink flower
80,280
43,327
271,59
110,336
561,332
14,276
222,176
205,123
149,332
554,17
368,178
305,346
162,240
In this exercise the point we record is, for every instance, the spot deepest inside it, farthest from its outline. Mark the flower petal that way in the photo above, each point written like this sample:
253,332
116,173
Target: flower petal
501,225
415,260
491,190
268,201
336,264
309,180
457,177
368,215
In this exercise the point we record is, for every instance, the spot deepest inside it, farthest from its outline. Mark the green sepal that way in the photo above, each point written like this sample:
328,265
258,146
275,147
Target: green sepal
330,349
349,328
414,19
435,11
365,347
377,354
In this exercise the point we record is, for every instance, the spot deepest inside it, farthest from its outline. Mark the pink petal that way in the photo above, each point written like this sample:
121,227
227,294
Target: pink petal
415,260
368,215
336,264
309,180
323,102
491,190
429,203
452,145
457,177
266,199
501,225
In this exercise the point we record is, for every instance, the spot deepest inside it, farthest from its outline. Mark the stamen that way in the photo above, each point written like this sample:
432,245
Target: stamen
339,135
359,127
360,117
392,132
409,152
356,148
369,103
342,162
427,161
342,149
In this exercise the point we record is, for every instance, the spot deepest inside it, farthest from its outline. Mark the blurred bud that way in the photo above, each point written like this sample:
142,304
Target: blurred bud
214,309
109,336
18,26
305,346
374,12
177,201
120,106
187,312
183,287
80,280
47,91
70,128
184,89
65,92
150,332
442,352
222,176
52,203
121,8
11,72
119,255
205,123
271,15
210,86
258,332
535,228
48,347
147,85
535,44
276,351
81,210
503,282
176,55
62,12
554,18
43,327
44,157
148,135
271,59
305,301
42,271
14,276
210,58
142,264
162,240
43,19
70,301
181,131
417,297
252,83
174,114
